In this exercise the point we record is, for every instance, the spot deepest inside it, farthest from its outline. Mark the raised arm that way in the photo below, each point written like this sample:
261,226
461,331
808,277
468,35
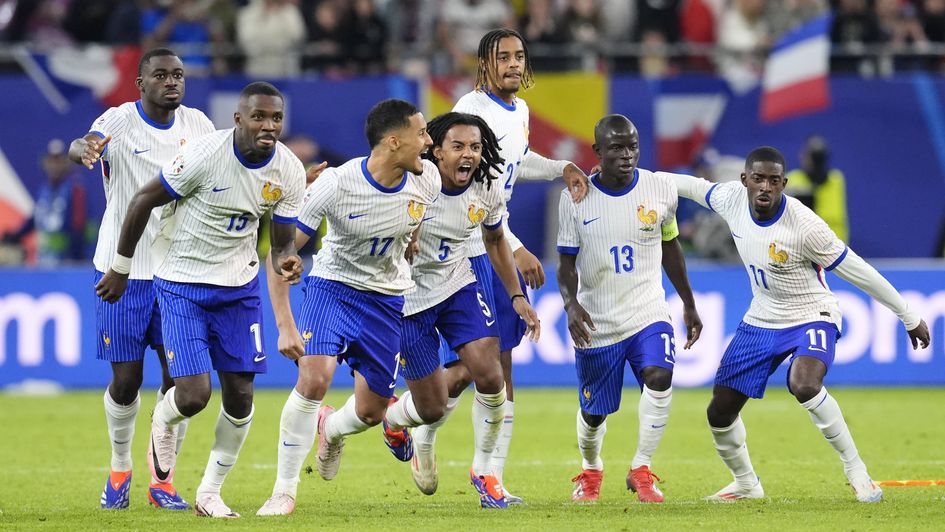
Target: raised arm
538,167
500,255
674,264
153,194
852,268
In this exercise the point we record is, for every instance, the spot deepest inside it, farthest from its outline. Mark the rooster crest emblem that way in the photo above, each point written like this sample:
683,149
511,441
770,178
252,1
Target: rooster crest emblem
476,215
170,356
271,193
416,210
307,335
106,339
648,218
779,257
587,394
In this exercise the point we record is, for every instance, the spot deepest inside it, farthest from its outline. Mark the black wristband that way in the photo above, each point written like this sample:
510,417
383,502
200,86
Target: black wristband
512,299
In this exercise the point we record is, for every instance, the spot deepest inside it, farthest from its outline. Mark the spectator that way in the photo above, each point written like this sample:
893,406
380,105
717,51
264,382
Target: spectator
326,38
464,22
821,187
581,20
789,14
271,33
617,19
411,29
933,20
366,38
698,20
59,216
186,26
87,20
660,16
898,23
743,38
854,27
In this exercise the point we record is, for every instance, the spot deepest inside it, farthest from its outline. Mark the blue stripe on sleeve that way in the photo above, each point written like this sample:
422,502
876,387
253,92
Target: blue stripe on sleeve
284,219
493,227
567,250
169,188
708,195
839,260
305,229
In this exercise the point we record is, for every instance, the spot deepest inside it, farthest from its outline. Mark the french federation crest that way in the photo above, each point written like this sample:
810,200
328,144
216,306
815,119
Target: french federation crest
476,215
648,218
270,193
778,257
415,210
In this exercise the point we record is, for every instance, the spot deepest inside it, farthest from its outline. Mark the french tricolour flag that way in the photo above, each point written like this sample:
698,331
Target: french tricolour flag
796,74
686,111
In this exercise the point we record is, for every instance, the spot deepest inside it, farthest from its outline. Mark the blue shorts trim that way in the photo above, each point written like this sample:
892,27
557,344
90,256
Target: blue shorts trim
209,327
127,327
600,369
359,327
462,318
756,352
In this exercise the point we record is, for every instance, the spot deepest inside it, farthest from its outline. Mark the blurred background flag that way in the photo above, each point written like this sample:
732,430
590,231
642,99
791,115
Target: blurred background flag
686,112
795,78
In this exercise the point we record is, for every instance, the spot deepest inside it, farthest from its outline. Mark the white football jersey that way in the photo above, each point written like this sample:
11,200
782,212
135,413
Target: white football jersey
785,256
443,266
369,225
210,231
617,237
135,155
510,125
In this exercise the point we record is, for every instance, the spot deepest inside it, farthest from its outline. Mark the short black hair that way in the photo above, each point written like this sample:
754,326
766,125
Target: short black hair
765,154
491,159
260,88
387,116
488,62
609,123
154,52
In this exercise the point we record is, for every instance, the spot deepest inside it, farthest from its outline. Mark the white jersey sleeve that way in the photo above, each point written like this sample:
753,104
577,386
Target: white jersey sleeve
184,173
569,241
821,245
857,271
535,166
318,196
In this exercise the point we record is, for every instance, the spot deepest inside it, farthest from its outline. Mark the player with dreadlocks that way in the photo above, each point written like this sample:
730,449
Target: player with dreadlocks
448,299
504,69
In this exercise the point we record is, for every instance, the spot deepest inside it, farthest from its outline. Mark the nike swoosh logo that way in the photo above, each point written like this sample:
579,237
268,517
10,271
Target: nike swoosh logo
591,220
215,189
492,422
356,216
225,465
392,385
658,426
161,475
502,137
120,442
138,152
819,350
736,236
259,358
430,218
489,323
287,444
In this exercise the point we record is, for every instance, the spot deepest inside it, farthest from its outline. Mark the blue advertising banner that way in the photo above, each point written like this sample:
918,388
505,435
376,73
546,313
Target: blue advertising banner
47,332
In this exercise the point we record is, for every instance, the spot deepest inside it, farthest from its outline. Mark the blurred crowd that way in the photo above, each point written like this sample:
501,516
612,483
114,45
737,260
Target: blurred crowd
276,38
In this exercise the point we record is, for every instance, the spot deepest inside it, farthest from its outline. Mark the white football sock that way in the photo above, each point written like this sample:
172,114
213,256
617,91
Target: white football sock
120,420
501,451
403,414
166,413
296,437
730,444
653,416
344,422
424,436
230,435
826,415
590,442
488,413
181,427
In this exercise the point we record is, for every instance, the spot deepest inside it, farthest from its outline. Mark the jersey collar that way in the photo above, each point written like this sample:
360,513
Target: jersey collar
775,218
616,193
370,179
249,164
152,123
501,102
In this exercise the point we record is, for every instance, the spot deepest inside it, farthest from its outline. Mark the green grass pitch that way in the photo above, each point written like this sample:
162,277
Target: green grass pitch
54,458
